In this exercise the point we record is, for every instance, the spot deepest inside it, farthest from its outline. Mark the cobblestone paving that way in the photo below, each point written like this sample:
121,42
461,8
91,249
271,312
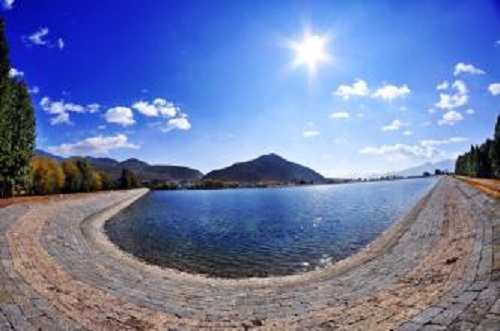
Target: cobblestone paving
437,269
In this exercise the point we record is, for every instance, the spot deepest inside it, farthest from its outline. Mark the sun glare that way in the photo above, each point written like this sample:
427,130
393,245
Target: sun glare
310,51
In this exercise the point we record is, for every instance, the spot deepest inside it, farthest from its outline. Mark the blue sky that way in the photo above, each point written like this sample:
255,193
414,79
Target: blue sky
209,83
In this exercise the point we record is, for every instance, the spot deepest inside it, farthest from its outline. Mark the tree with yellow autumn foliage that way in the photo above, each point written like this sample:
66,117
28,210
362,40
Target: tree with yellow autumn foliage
47,176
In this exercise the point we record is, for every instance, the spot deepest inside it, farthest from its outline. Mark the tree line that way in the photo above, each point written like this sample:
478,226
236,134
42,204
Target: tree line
20,172
74,175
482,161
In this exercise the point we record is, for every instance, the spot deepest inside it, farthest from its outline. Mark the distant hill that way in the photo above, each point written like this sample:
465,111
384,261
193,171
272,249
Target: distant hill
270,167
429,167
146,172
40,153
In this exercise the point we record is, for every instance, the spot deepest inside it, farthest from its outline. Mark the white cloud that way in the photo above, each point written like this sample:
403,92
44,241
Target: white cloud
391,92
436,142
159,107
7,4
310,134
62,108
94,145
359,88
179,123
408,133
443,86
467,69
470,111
460,87
60,43
93,108
458,99
13,72
395,125
450,118
497,42
494,89
60,119
426,149
431,110
120,115
40,38
401,151
34,90
448,101
340,114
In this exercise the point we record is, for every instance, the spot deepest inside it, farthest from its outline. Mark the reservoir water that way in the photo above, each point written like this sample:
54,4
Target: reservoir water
241,233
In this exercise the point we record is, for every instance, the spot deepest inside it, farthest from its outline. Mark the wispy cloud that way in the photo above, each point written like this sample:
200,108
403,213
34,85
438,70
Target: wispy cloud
426,149
463,68
437,142
395,125
407,133
61,109
94,145
401,151
310,134
443,86
7,4
40,38
34,90
14,73
339,114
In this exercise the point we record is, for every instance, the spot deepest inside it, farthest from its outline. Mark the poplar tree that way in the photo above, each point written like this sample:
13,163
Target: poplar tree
17,125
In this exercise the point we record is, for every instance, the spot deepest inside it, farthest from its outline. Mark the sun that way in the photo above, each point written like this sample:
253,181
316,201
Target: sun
310,51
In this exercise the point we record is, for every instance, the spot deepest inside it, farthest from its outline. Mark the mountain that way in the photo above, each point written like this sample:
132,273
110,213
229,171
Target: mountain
146,172
269,167
40,153
429,167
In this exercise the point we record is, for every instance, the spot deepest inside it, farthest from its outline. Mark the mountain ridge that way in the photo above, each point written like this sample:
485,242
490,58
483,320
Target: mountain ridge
418,170
268,167
146,172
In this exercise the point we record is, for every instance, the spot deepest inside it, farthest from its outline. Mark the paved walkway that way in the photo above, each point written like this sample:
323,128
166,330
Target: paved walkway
437,269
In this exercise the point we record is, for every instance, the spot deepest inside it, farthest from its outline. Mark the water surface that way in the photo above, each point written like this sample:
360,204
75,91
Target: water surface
261,232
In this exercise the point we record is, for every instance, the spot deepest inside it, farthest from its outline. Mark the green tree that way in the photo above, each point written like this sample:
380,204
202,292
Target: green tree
73,176
128,179
494,152
17,126
87,172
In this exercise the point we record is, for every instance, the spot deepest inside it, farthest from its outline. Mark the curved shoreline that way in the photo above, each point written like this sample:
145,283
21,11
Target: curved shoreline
93,228
432,269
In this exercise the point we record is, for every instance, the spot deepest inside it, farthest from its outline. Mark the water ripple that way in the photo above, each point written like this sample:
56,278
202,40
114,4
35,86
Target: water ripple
261,232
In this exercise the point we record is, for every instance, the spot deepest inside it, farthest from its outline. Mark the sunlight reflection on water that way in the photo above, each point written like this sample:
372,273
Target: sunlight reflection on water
261,232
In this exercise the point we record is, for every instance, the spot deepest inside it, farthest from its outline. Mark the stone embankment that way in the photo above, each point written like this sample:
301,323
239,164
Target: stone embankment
437,269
